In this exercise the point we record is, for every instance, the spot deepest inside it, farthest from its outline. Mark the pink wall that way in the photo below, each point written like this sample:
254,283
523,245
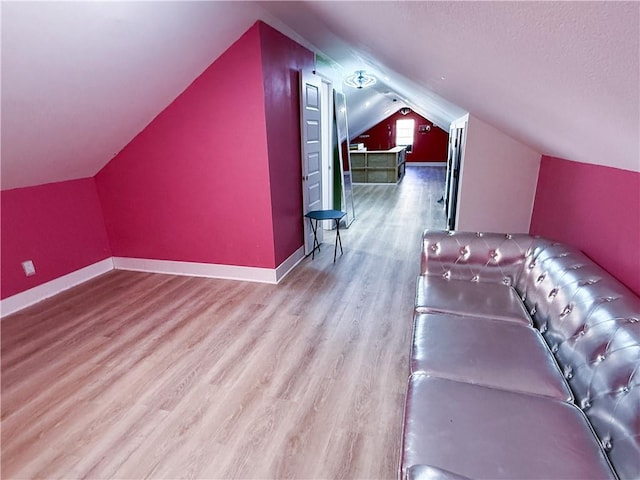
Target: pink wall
58,226
431,146
194,185
215,178
594,208
281,61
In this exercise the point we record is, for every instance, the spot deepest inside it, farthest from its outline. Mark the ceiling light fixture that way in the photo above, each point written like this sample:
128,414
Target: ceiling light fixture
360,79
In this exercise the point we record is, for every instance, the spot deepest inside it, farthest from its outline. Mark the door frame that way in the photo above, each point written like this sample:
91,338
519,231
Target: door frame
326,116
457,143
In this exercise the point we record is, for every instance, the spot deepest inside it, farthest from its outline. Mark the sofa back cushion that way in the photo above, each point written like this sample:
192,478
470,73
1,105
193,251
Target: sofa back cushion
477,257
592,325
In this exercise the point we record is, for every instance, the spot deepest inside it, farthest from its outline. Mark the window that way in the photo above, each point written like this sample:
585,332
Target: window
404,131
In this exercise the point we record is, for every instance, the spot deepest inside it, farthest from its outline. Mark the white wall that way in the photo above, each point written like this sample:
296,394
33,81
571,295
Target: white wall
497,183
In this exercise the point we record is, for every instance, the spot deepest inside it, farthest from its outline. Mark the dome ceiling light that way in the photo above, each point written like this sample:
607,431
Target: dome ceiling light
360,79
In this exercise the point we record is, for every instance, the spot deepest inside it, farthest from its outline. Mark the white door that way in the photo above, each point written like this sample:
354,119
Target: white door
310,132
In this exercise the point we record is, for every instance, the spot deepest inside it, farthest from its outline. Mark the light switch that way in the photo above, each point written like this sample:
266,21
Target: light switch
29,268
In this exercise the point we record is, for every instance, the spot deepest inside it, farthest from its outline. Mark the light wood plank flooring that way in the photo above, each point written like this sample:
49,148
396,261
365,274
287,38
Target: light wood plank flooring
135,375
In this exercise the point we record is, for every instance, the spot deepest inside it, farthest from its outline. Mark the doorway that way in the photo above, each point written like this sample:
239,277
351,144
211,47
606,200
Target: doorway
457,138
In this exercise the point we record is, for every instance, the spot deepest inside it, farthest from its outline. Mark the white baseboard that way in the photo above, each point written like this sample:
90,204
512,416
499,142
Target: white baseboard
24,299
229,272
426,164
289,264
195,269
211,270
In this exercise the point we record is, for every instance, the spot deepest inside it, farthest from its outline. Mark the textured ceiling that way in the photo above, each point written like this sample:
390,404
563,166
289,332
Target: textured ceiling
81,79
562,77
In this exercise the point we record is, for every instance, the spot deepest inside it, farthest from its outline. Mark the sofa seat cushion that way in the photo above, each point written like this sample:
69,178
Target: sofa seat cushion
473,299
490,352
482,432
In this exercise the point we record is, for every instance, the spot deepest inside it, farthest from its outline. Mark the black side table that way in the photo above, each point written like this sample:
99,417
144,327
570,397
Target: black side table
335,215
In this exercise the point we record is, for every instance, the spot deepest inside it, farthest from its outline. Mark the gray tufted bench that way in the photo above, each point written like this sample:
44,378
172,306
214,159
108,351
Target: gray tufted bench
525,363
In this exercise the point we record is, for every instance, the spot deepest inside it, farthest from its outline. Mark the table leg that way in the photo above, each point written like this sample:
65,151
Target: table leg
316,244
338,240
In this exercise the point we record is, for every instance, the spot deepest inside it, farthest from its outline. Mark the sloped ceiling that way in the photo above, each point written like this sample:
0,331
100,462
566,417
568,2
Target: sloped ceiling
562,77
81,79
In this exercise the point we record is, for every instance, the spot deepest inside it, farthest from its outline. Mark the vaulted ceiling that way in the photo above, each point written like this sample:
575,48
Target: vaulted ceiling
81,79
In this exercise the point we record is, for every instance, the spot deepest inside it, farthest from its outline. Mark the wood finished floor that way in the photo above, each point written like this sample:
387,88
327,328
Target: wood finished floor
135,375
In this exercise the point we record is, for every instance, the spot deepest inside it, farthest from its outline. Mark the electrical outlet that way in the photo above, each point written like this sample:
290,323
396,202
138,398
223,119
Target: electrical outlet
29,268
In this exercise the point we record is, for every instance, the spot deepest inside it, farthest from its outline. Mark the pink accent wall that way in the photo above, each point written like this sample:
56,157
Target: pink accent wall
197,183
281,61
58,226
595,208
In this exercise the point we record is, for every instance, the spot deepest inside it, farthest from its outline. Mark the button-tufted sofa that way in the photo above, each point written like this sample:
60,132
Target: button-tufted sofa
525,363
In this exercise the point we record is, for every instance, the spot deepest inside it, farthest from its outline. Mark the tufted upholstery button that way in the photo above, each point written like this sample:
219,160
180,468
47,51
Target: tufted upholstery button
447,275
585,404
464,251
566,311
479,234
553,293
541,277
632,320
532,265
606,444
508,236
624,389
475,278
600,358
435,247
543,328
555,348
533,311
568,373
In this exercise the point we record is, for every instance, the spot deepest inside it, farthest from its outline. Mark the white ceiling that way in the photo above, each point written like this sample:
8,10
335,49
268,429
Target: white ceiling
81,79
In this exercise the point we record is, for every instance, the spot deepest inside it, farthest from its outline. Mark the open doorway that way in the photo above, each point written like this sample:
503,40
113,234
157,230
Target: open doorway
323,126
457,137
